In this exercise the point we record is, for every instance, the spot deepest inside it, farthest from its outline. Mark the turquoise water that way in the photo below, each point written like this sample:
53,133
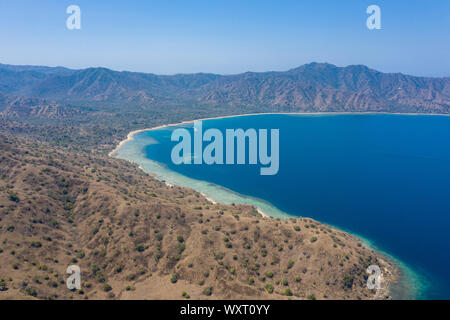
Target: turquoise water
383,177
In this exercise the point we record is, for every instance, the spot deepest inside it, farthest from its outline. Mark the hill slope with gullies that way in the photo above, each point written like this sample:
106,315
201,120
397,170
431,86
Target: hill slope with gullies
136,238
310,88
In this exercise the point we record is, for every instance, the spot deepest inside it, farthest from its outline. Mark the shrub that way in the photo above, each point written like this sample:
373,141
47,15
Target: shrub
13,197
174,278
31,292
290,264
180,239
36,244
296,228
284,282
3,286
181,248
107,287
219,255
269,274
313,239
312,297
251,281
269,288
140,248
208,291
287,292
348,281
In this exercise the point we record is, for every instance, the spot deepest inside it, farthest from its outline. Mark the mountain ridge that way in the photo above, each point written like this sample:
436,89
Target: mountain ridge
310,87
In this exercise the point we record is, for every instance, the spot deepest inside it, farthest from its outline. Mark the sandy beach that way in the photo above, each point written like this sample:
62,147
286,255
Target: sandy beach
132,133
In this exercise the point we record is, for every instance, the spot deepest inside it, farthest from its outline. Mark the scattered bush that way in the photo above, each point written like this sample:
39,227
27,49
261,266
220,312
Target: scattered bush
3,286
290,264
287,292
348,281
269,288
36,244
140,248
208,291
107,287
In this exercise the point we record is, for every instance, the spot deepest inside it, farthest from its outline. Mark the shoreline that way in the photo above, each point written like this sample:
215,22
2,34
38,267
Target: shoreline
401,272
131,134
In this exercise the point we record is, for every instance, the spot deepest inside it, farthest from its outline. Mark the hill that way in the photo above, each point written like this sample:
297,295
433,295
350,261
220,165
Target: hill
311,87
137,238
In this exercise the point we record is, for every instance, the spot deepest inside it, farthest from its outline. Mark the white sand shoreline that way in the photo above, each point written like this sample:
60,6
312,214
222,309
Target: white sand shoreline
132,133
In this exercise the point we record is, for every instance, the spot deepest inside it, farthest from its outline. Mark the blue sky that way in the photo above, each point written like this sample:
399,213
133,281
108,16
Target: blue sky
232,36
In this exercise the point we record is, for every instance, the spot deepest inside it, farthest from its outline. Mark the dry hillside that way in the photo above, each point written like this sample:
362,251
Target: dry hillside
137,238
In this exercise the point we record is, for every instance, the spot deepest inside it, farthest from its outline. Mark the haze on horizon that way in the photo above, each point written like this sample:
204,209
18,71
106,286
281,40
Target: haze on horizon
227,37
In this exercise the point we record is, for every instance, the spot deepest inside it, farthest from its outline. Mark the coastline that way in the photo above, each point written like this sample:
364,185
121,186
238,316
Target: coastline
409,288
132,133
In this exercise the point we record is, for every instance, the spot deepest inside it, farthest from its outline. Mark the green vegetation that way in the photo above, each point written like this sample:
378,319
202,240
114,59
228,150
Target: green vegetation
208,291
36,244
3,285
140,248
290,264
13,197
348,281
107,287
269,288
287,292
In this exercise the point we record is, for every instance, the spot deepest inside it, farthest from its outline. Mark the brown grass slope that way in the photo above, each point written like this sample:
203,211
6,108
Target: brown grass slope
137,238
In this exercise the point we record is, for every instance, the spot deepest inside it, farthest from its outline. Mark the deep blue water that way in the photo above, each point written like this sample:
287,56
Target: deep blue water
385,177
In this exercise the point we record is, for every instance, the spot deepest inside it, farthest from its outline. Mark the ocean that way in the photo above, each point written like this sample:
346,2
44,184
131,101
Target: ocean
385,178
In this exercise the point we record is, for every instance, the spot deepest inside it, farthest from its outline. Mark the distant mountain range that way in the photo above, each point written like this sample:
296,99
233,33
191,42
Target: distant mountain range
311,87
